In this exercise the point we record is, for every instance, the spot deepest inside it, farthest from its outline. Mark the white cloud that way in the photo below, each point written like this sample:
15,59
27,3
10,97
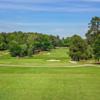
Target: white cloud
59,5
46,1
40,8
91,0
31,1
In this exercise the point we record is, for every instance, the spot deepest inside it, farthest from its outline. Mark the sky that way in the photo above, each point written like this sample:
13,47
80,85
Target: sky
57,17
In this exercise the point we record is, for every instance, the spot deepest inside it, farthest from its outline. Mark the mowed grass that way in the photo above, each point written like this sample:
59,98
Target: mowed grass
43,59
45,83
38,60
37,78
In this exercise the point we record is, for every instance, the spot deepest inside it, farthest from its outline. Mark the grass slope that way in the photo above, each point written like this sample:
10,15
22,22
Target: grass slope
38,60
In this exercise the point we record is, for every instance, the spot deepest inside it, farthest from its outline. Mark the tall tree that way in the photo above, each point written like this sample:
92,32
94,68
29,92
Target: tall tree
15,49
66,41
3,42
96,48
78,48
94,30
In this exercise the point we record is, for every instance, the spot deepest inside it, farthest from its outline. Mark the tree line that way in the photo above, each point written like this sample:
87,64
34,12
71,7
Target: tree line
28,43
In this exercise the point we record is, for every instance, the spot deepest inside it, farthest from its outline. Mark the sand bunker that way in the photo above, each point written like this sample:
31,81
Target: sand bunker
48,53
73,62
53,60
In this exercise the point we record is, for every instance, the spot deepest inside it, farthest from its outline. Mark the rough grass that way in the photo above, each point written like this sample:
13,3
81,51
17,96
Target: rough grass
49,83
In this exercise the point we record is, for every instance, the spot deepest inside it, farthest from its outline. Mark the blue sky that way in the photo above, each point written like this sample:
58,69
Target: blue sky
62,17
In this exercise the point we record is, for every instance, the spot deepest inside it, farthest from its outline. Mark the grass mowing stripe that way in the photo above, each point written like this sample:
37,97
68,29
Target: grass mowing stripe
49,83
49,70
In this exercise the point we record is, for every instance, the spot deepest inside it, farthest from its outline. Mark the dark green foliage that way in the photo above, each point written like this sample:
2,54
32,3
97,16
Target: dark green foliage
66,42
89,52
24,49
96,48
93,37
3,42
55,41
26,44
14,49
78,49
29,51
94,30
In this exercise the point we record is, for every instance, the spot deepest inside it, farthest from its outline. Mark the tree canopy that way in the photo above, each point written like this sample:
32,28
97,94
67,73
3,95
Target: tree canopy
94,30
26,44
96,48
78,48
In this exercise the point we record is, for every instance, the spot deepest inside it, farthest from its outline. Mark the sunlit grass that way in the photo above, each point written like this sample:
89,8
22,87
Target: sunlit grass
38,83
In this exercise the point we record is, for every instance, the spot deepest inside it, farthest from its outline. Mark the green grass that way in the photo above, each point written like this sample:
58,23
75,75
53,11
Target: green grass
38,60
49,83
36,78
59,53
